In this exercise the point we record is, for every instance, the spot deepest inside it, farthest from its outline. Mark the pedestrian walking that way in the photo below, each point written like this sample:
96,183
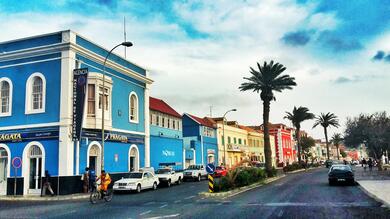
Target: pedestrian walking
85,179
47,184
364,163
92,178
370,164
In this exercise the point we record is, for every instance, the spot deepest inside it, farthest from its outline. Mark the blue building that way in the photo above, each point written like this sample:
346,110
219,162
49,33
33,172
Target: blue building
36,111
166,135
200,140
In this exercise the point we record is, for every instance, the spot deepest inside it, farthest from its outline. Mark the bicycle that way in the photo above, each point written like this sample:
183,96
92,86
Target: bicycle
100,195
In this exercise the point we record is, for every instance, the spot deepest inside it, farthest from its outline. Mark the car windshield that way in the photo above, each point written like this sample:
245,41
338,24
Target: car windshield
341,167
163,171
135,175
194,167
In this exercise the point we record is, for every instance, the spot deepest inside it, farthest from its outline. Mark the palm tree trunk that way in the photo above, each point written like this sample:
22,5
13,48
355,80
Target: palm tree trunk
338,157
299,145
267,144
326,140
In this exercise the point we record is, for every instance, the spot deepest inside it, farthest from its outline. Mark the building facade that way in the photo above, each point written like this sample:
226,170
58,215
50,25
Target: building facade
36,119
166,135
200,140
255,144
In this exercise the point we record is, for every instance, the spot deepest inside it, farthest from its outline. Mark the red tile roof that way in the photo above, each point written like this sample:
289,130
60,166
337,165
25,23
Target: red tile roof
203,121
160,106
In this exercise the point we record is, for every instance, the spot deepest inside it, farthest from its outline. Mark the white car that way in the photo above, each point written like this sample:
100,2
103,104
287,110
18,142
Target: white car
195,172
168,176
137,181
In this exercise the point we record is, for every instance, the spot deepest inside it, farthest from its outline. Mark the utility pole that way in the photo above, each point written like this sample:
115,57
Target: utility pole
124,34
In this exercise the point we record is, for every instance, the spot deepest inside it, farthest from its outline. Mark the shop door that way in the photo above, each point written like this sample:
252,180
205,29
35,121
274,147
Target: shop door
92,163
35,175
35,171
132,164
3,171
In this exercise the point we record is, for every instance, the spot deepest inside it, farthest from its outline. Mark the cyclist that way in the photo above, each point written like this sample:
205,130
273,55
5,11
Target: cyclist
105,180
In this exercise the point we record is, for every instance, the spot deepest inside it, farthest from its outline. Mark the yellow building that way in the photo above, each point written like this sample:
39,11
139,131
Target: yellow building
236,143
255,144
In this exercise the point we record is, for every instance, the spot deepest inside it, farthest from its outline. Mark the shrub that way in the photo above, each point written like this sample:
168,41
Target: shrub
239,177
294,166
243,178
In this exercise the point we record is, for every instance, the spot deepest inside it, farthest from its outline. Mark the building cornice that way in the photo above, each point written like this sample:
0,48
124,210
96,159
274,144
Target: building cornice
59,47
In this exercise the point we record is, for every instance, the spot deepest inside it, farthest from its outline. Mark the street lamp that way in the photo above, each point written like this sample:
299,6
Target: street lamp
126,44
223,134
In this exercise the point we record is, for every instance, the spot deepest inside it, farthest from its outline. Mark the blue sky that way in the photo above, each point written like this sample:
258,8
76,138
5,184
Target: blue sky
338,50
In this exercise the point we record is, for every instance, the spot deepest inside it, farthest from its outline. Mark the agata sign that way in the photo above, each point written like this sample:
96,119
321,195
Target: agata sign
11,137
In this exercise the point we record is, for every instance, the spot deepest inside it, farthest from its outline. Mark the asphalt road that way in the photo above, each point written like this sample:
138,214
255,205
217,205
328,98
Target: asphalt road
300,195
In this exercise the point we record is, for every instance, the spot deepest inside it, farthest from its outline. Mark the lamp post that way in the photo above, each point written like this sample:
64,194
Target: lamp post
223,135
126,44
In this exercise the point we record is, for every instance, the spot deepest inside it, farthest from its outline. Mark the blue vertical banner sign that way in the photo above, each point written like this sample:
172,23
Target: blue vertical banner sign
80,77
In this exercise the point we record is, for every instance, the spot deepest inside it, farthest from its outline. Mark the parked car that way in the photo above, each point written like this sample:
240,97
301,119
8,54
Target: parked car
137,181
220,171
328,163
168,176
195,172
340,173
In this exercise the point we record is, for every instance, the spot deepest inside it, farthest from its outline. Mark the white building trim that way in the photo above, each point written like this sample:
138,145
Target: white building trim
38,125
136,108
127,131
8,158
28,107
9,113
26,165
147,126
137,159
98,164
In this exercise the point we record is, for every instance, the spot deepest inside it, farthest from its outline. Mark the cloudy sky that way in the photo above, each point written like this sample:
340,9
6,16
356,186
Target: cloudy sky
198,52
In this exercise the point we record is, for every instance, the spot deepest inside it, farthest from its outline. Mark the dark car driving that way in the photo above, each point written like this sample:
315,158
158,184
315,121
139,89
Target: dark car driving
341,174
328,163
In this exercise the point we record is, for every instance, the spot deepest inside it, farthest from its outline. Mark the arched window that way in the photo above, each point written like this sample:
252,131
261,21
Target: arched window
5,97
133,107
35,94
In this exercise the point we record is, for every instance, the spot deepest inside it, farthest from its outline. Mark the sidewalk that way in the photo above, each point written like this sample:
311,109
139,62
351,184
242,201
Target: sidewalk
376,184
46,198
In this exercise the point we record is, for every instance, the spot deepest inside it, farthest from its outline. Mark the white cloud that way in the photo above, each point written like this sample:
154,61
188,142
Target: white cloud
195,73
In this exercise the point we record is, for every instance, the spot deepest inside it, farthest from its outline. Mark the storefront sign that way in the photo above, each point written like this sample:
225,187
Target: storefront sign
25,136
233,147
112,136
168,153
79,91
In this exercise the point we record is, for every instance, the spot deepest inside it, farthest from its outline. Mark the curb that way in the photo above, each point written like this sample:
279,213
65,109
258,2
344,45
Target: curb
38,198
372,195
237,191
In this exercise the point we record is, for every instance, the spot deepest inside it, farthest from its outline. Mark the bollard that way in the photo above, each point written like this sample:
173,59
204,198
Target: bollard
211,183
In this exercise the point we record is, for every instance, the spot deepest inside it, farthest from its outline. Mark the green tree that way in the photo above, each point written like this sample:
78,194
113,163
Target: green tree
326,120
336,141
373,130
267,80
343,154
297,116
306,144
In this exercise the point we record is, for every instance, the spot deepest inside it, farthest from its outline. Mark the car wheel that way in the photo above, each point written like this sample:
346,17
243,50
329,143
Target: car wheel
199,177
169,183
154,186
179,181
331,183
138,188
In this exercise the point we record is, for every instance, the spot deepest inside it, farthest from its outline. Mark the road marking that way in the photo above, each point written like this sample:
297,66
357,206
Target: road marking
299,204
149,203
192,186
177,201
146,212
280,213
164,216
189,197
219,204
163,206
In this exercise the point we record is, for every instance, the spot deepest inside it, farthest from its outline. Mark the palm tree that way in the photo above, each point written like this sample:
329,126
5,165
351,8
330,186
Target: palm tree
266,81
297,116
326,120
336,140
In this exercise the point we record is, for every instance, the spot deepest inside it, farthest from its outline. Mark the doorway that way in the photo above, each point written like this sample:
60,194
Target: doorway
94,158
35,170
4,170
133,158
